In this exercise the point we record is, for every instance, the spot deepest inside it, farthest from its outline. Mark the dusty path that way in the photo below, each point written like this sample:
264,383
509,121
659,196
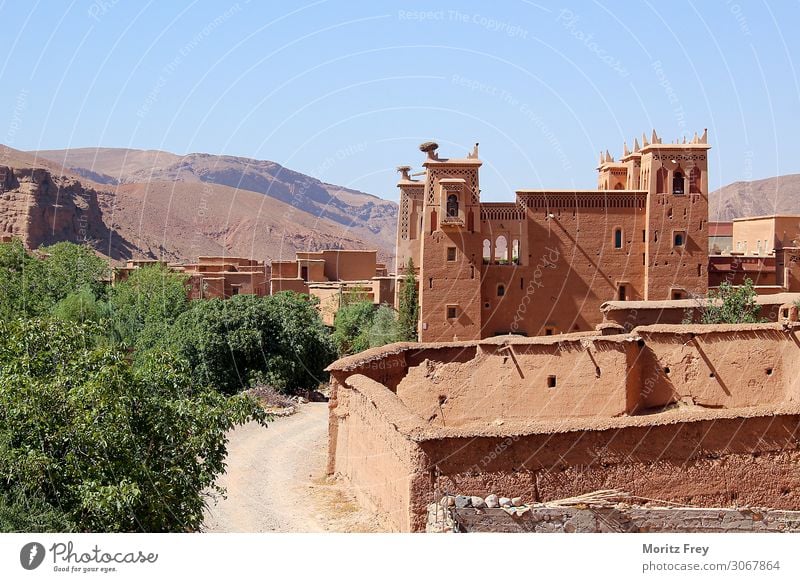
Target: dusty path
275,480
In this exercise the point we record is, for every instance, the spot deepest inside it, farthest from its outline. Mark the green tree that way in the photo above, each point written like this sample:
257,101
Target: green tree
144,307
279,340
32,286
385,328
409,305
80,307
68,268
94,444
731,304
13,260
351,327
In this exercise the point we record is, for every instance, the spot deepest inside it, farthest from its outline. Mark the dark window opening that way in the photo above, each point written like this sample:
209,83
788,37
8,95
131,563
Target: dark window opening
618,238
451,312
501,290
430,282
622,293
679,239
451,253
548,331
551,381
677,183
644,236
452,205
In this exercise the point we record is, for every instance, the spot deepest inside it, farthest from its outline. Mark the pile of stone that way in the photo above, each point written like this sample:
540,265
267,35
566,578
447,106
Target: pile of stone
440,517
490,501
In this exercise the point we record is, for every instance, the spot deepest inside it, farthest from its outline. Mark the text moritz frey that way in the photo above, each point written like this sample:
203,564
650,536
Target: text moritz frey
670,549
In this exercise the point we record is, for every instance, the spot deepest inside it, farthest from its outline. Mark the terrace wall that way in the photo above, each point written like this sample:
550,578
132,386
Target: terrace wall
700,415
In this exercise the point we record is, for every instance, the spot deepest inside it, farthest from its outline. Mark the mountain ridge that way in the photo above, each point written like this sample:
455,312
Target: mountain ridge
163,205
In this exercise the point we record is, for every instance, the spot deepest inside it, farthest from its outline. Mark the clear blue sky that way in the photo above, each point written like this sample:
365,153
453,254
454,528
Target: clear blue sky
345,91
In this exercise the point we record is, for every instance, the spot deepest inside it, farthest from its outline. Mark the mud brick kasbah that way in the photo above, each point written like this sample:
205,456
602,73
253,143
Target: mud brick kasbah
611,398
544,263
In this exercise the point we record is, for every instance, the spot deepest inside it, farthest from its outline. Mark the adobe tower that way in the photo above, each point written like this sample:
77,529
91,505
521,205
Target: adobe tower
545,263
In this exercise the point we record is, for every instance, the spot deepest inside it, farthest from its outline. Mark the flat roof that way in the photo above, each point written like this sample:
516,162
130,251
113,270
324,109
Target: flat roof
775,299
567,191
766,217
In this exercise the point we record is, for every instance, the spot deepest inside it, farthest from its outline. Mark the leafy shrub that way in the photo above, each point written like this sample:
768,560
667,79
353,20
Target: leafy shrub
279,340
351,327
732,304
97,445
143,307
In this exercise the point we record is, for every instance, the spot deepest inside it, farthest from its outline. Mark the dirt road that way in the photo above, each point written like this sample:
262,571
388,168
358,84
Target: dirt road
276,483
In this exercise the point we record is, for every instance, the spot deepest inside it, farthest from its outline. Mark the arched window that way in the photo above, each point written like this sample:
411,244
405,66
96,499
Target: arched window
501,290
617,238
515,251
618,186
680,239
487,251
677,183
452,205
501,249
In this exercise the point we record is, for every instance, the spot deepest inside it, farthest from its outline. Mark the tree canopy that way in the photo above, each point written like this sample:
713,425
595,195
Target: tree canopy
94,444
232,343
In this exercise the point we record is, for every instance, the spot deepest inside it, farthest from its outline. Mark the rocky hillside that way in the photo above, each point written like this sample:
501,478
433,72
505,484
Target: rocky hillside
779,195
43,209
129,203
328,210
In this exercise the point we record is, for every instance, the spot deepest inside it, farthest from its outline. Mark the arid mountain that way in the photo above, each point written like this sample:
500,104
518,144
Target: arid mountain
779,195
324,213
43,206
131,204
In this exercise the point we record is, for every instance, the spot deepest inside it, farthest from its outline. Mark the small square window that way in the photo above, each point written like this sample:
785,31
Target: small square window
679,238
551,381
451,312
451,253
